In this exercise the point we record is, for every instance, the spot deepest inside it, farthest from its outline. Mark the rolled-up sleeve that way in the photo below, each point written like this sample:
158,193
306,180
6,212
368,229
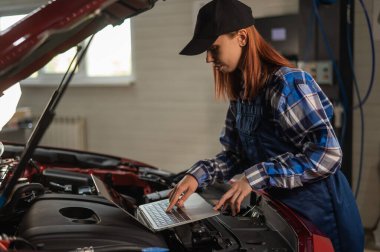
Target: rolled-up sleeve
226,163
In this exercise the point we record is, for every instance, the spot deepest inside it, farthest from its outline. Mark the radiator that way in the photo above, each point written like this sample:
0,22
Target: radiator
66,132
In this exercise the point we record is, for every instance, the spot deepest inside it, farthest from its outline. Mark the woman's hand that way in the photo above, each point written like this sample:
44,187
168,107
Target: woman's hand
239,190
182,191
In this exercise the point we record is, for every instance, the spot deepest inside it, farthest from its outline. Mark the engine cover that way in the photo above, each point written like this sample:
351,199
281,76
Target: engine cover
67,222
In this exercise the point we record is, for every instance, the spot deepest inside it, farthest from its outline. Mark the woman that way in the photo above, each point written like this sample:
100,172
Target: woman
277,131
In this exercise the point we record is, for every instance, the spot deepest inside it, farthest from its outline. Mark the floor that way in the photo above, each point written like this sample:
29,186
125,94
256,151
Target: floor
370,242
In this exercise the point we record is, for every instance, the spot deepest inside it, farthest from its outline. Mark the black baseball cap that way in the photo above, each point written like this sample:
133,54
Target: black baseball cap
216,18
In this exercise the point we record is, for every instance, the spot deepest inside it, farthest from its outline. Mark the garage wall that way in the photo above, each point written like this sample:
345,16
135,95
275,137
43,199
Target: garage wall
368,200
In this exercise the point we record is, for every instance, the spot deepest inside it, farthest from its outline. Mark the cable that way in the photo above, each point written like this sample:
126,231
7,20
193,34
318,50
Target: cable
360,105
362,102
336,70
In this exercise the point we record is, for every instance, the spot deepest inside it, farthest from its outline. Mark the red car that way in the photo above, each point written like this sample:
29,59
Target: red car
48,201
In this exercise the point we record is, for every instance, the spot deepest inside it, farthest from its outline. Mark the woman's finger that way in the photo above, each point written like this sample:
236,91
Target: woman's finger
174,199
170,193
224,198
239,201
184,197
233,200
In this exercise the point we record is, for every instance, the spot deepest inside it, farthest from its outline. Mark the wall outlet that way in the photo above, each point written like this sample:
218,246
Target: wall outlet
321,71
310,67
324,73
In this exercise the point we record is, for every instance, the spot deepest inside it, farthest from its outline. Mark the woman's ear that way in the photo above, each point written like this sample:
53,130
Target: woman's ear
242,37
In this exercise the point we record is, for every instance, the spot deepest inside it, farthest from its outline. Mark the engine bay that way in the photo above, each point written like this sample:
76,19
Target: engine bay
55,207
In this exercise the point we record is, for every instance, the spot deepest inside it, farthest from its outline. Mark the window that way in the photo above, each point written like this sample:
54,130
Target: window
100,66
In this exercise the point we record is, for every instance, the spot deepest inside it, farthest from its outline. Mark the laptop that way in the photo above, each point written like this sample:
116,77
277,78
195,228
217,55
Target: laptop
153,216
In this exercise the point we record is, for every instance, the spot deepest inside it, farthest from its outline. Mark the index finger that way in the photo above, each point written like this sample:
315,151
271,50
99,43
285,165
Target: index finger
170,194
173,200
221,202
184,197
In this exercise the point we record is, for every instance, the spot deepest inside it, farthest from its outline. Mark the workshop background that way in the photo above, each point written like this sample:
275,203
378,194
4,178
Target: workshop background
167,115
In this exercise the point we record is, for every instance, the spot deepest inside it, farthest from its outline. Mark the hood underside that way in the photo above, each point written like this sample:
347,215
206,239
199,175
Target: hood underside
54,28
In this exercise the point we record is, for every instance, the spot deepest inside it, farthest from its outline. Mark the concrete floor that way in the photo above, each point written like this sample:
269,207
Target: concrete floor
370,242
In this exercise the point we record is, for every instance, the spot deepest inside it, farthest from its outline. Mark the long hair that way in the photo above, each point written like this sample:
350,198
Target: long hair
259,60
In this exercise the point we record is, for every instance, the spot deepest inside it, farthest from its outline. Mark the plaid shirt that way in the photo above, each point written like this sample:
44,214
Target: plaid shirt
302,112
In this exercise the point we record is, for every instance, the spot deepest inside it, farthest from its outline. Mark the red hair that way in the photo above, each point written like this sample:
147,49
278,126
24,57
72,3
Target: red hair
259,60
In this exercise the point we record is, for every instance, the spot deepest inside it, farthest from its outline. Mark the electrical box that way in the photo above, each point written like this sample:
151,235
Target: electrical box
324,72
310,67
321,71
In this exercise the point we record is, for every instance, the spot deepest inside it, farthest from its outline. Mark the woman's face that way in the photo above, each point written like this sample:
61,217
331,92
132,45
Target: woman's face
225,52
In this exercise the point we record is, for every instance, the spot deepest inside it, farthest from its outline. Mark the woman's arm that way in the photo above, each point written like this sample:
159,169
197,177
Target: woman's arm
302,111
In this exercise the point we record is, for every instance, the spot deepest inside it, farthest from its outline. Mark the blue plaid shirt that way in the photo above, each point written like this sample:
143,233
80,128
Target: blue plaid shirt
302,112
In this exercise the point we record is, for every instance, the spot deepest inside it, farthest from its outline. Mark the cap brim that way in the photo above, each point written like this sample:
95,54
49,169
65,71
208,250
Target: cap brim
197,46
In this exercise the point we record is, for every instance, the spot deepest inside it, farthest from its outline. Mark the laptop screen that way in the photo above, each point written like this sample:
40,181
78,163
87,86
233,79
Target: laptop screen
111,195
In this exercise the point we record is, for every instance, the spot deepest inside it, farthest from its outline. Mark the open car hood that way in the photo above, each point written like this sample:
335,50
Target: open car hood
54,28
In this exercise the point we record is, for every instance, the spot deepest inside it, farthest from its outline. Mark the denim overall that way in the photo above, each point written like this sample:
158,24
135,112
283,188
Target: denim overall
327,203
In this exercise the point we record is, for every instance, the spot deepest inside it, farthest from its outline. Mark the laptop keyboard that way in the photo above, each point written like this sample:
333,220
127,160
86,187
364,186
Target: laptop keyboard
162,218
